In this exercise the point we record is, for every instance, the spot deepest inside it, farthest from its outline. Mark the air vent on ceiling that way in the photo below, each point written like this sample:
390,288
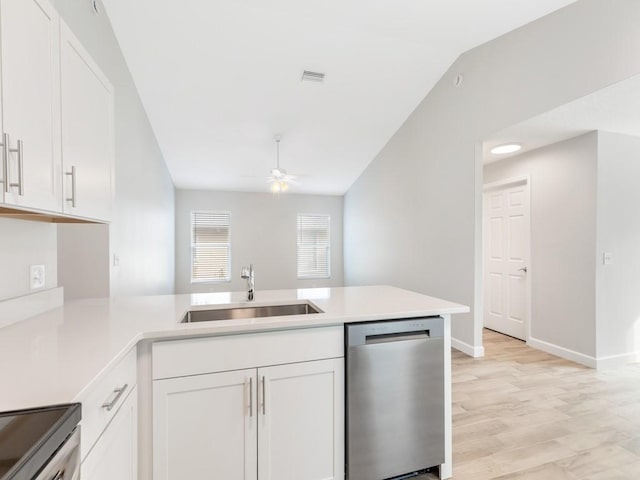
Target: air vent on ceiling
316,77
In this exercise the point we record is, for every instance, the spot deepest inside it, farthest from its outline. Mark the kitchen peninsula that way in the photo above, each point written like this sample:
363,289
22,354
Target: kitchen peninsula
89,349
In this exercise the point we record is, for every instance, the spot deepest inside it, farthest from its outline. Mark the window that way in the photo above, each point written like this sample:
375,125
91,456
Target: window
314,255
210,247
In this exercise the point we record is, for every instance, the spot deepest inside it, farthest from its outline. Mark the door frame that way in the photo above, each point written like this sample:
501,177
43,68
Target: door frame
499,184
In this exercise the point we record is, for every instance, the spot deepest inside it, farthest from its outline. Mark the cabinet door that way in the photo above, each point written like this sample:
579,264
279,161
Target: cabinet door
301,426
204,427
31,102
87,132
115,453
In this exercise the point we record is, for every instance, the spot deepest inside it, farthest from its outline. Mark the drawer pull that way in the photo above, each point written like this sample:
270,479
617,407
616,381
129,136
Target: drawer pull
118,393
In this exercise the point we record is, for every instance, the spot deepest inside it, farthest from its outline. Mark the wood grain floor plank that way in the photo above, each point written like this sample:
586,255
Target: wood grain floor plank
523,414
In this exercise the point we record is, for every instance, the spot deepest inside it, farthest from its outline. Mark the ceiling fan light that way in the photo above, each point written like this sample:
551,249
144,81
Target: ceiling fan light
275,187
279,186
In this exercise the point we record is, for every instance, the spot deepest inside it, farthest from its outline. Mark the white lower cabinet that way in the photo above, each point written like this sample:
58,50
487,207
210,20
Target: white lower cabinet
203,427
283,422
301,421
114,455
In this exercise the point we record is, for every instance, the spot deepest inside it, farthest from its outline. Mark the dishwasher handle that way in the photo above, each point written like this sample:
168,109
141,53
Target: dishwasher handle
397,337
386,331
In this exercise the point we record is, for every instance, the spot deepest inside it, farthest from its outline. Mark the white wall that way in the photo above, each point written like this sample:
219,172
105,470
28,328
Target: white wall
563,239
142,231
618,300
24,243
83,260
425,186
263,232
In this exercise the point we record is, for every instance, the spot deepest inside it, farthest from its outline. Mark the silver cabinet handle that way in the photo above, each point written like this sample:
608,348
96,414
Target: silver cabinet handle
108,405
5,162
264,395
251,396
20,183
72,174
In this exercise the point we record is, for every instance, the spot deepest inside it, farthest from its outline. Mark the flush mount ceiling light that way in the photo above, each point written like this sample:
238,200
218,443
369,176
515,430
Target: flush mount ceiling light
507,148
279,179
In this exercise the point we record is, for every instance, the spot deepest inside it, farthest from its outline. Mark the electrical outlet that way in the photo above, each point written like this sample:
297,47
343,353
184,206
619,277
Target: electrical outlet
37,277
607,258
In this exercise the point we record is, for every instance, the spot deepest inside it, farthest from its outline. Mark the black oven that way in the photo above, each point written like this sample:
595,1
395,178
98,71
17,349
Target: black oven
40,443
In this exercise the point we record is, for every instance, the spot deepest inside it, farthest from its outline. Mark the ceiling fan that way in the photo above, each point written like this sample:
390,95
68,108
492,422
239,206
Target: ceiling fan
279,179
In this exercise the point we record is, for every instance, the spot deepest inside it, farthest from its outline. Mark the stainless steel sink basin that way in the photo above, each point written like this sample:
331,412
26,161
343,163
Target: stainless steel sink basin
248,312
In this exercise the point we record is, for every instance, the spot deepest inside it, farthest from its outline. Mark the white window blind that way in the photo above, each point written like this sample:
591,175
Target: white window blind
210,247
314,252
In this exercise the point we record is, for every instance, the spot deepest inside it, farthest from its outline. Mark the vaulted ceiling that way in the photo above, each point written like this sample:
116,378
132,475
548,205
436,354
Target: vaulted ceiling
220,78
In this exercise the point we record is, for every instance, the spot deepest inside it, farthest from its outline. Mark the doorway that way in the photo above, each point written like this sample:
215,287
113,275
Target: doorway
506,257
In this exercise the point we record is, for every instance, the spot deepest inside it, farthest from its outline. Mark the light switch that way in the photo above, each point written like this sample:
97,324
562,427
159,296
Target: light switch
607,258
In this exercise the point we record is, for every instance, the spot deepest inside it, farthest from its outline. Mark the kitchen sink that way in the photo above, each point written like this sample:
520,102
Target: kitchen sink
236,313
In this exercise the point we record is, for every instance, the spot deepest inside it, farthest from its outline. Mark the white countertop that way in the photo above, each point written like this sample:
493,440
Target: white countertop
51,358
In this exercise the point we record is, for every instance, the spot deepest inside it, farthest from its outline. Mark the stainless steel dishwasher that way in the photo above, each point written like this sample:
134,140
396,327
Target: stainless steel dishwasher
395,398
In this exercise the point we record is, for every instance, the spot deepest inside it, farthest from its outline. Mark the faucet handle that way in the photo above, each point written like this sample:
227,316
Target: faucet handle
244,273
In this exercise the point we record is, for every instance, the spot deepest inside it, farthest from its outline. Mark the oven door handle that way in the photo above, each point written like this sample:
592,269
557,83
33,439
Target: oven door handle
59,475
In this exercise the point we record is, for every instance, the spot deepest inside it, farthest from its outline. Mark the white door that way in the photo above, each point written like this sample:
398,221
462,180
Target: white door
87,132
204,427
506,259
30,102
301,421
115,453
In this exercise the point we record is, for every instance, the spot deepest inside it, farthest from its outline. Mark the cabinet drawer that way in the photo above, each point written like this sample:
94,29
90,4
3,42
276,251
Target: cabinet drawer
178,358
102,401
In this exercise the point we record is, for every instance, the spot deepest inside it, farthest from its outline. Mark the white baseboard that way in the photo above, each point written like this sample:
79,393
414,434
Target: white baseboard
475,352
562,352
20,308
616,361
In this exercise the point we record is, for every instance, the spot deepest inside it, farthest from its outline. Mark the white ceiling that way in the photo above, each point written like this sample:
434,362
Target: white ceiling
220,78
612,109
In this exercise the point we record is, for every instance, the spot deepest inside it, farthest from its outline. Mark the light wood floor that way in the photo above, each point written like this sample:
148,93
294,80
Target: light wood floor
519,413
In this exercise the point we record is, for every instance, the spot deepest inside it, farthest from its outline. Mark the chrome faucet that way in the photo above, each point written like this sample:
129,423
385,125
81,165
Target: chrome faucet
248,274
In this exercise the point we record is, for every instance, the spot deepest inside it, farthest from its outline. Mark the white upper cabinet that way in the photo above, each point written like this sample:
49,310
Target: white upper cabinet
56,135
30,104
87,132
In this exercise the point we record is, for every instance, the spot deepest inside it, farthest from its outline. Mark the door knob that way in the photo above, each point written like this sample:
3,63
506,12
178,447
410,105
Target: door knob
523,269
